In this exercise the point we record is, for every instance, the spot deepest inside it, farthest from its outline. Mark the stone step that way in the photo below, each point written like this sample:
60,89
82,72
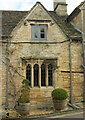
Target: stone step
41,103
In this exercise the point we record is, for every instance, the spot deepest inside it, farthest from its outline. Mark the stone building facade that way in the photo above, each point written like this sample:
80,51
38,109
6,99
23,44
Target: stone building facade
44,47
77,18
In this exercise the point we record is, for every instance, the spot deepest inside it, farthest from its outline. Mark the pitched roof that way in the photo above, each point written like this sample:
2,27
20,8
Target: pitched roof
10,19
75,12
66,27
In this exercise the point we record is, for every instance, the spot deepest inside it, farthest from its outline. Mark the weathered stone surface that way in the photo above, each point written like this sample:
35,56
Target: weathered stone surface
53,47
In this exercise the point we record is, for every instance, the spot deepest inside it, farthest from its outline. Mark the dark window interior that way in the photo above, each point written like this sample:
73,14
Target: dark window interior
28,73
43,75
36,75
50,75
42,33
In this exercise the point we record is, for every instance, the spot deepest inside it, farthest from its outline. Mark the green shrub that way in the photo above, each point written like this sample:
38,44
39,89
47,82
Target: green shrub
25,92
59,94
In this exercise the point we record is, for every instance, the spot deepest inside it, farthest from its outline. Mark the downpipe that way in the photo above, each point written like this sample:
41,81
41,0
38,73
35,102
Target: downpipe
6,105
83,54
70,72
70,64
83,65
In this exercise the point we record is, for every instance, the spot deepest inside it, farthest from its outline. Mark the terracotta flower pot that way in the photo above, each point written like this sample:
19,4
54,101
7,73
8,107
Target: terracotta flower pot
59,104
23,108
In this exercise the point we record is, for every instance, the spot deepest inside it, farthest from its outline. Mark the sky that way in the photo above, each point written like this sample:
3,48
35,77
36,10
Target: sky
28,4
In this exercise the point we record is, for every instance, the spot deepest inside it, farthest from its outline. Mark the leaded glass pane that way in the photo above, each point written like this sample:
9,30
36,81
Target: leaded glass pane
43,75
50,75
28,73
36,75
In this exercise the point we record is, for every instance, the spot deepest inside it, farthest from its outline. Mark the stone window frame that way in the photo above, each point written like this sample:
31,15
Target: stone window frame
32,62
39,84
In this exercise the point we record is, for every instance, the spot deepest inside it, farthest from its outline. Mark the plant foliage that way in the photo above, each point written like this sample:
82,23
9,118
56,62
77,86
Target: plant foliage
59,94
25,92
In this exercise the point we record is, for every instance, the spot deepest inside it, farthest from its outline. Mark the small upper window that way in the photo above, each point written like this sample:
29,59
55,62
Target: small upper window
38,32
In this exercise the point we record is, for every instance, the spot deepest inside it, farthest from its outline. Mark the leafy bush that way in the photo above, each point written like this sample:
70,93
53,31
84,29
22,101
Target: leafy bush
59,94
25,92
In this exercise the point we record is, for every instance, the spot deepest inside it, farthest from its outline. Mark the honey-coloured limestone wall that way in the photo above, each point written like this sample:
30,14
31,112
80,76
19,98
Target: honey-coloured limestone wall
21,48
62,77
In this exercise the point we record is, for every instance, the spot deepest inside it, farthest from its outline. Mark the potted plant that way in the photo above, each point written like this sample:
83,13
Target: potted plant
59,96
23,102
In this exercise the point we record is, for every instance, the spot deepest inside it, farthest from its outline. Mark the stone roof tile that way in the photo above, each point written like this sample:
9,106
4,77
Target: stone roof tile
66,27
10,19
